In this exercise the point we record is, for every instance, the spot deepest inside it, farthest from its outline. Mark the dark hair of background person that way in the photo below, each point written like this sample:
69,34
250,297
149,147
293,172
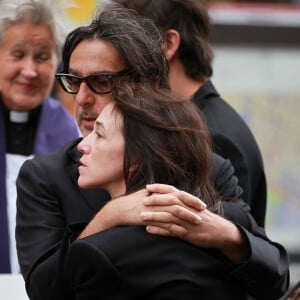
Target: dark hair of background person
163,134
190,71
191,20
147,62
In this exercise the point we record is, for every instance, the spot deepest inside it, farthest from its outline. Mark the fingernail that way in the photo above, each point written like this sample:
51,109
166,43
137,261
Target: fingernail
198,220
144,215
149,229
146,200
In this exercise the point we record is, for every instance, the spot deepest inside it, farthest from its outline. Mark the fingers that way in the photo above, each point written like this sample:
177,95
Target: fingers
160,188
168,195
172,214
161,200
191,200
167,230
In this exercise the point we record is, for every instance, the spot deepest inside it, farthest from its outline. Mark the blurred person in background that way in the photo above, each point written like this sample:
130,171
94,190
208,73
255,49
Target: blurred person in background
185,28
31,122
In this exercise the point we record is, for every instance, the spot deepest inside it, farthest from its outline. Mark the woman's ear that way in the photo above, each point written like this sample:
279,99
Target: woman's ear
172,43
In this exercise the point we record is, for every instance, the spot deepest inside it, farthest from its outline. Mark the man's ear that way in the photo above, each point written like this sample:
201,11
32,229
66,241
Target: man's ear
172,43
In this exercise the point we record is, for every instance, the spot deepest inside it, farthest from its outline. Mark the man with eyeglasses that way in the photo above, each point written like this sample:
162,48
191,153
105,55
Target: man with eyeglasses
100,83
52,212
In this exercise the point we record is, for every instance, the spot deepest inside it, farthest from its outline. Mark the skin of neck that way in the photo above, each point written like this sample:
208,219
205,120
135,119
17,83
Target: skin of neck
180,82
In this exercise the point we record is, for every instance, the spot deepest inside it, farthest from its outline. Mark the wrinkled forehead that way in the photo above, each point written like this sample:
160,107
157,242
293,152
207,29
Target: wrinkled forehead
93,56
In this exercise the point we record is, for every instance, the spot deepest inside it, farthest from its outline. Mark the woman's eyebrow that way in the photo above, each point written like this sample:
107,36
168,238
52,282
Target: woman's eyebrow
99,124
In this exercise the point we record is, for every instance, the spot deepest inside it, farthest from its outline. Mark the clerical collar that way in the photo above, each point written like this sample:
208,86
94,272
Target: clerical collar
21,130
18,116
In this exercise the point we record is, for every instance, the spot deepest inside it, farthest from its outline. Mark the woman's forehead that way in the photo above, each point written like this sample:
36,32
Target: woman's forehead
110,117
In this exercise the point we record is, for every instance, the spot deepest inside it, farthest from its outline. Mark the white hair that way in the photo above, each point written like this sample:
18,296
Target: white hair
49,12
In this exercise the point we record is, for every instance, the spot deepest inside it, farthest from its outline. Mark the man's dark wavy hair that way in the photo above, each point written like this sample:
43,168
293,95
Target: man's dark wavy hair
137,40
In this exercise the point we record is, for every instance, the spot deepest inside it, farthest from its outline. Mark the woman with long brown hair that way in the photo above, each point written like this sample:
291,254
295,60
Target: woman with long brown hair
146,136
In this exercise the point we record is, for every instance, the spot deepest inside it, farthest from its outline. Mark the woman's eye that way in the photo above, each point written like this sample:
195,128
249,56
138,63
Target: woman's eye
17,54
98,134
43,57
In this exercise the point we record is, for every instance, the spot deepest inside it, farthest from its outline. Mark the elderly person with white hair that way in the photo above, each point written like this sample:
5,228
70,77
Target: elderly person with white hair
32,123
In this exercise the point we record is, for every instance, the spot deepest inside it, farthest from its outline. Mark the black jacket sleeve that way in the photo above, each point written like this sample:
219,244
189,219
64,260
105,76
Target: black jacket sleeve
48,201
224,179
266,274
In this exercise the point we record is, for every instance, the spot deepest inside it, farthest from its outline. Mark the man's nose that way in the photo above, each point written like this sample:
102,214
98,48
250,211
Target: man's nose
84,96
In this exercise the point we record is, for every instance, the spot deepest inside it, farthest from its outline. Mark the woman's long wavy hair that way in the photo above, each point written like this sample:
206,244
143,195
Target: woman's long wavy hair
166,141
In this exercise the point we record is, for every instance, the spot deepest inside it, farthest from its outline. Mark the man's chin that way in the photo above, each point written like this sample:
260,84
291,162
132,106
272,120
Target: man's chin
85,130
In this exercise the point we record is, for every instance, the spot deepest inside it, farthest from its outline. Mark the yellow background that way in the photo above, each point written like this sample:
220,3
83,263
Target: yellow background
82,11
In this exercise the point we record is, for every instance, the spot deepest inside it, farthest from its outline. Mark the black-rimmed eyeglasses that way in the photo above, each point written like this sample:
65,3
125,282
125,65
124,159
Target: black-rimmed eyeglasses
100,83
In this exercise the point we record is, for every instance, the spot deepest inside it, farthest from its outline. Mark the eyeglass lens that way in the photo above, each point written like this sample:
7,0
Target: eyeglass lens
97,83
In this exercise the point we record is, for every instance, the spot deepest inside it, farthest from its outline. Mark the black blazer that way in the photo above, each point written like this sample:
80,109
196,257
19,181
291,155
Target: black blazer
49,203
128,263
233,140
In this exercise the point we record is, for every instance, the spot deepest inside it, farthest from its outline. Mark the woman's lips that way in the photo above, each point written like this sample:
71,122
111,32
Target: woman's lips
27,87
81,165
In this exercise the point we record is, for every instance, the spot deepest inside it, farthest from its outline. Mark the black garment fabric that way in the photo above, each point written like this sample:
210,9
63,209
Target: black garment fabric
233,140
128,263
50,204
20,137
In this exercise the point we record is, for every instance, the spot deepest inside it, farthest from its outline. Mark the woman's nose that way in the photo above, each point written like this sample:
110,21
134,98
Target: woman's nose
83,147
29,68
